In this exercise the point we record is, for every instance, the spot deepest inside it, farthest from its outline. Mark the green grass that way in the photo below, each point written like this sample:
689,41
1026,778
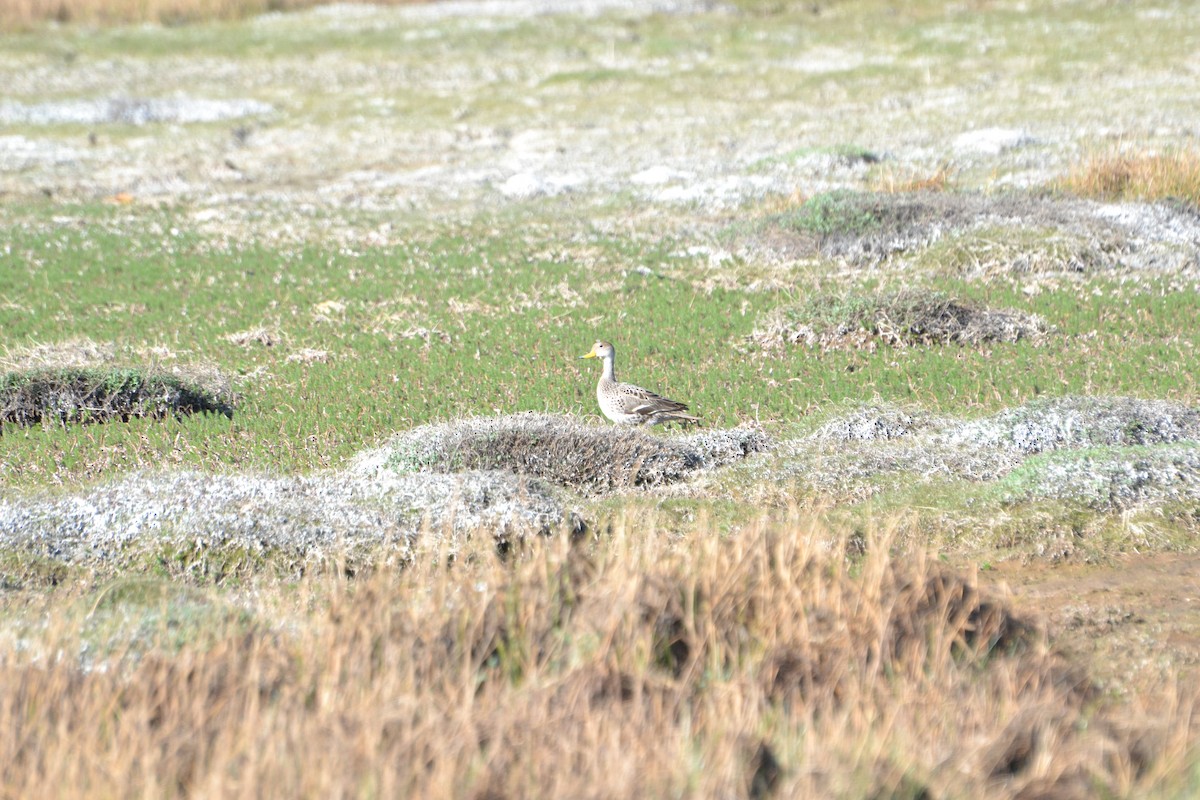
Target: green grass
505,316
143,614
837,212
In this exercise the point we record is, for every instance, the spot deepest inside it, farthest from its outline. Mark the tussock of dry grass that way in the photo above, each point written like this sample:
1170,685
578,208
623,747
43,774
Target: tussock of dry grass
1138,176
866,226
974,234
894,181
897,319
560,449
735,668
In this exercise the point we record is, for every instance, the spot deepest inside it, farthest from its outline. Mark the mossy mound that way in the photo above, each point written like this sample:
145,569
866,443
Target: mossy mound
564,451
1100,439
1110,478
208,527
897,319
103,394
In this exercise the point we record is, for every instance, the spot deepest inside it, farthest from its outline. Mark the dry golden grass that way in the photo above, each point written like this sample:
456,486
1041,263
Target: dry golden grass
23,14
1138,176
902,181
765,664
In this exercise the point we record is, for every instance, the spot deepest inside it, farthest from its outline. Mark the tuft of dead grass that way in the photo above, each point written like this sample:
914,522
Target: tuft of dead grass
1173,175
765,664
560,449
262,336
892,181
79,353
898,319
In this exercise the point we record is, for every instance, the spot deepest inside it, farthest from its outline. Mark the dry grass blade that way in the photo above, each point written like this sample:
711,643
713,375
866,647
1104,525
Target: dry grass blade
893,181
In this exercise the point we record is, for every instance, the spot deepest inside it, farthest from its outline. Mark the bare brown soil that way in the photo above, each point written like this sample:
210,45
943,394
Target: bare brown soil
1134,618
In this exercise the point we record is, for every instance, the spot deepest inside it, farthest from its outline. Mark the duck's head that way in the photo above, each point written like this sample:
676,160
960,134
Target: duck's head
600,350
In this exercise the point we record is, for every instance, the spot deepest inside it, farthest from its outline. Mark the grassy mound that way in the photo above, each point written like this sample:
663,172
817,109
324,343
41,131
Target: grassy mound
866,448
1077,422
560,449
870,423
897,319
754,666
871,225
969,233
1110,478
209,527
88,394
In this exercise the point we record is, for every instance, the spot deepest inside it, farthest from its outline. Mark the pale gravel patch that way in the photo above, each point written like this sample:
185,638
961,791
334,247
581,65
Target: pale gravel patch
20,153
525,185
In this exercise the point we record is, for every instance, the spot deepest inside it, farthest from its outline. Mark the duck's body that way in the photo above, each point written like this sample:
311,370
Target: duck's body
626,404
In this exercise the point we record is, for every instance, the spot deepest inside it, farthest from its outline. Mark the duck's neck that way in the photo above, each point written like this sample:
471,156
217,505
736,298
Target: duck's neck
608,374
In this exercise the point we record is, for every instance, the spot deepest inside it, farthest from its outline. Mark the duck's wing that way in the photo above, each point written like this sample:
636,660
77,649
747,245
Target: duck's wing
651,407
